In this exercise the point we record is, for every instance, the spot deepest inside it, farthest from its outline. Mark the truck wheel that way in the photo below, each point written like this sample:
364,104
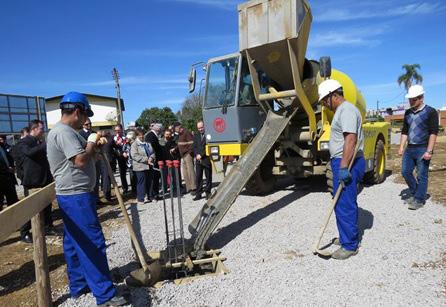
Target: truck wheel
378,174
262,181
329,175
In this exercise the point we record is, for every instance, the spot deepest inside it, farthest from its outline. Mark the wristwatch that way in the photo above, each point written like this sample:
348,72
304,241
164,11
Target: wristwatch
431,152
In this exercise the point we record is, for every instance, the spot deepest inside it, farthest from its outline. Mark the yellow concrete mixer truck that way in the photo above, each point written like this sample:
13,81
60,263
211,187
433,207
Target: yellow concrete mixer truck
261,104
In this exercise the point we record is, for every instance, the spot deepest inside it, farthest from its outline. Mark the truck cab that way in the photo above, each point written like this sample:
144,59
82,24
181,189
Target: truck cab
231,113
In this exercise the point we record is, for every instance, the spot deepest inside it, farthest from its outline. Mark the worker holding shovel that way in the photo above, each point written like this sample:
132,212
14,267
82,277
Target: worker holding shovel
346,136
72,163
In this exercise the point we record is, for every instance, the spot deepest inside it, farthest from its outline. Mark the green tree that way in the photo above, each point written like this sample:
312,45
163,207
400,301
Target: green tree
164,116
191,112
410,75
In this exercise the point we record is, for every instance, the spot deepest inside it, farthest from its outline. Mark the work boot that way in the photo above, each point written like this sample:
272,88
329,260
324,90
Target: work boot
415,204
342,254
336,242
116,300
197,196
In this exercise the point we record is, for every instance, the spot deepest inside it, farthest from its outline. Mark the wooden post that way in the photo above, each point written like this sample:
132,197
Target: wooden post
43,285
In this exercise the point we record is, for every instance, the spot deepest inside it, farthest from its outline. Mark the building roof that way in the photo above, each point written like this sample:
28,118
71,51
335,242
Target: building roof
91,95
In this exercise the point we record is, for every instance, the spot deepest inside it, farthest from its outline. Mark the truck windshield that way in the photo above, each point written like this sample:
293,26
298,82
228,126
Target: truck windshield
246,92
221,83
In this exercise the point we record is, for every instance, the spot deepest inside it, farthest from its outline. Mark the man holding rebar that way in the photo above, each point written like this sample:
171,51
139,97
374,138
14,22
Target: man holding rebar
346,143
202,162
72,163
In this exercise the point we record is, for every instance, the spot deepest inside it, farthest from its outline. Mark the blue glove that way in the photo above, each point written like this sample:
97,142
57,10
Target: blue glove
344,175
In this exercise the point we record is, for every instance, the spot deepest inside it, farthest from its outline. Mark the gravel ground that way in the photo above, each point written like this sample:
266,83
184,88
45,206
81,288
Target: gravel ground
268,242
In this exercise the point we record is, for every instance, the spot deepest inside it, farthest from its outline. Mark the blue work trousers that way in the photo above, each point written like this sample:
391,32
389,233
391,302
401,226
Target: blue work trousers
84,247
413,158
347,206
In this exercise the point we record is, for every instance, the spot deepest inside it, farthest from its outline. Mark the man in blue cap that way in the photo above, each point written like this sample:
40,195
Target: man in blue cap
72,162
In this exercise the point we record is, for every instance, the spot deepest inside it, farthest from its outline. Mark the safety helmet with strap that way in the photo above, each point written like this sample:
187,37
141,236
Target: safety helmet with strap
328,87
73,100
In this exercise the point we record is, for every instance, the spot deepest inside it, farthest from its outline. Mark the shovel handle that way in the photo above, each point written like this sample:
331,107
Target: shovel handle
135,241
331,208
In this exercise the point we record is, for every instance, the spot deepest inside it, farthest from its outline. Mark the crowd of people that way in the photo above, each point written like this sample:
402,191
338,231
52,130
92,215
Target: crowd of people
134,154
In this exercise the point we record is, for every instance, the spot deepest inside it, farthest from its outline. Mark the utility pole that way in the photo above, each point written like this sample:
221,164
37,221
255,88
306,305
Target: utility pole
120,116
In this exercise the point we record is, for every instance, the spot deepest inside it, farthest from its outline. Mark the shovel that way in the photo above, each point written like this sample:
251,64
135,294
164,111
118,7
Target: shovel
317,249
148,274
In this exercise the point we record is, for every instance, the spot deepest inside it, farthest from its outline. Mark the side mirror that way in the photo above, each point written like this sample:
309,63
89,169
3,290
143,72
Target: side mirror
325,67
192,79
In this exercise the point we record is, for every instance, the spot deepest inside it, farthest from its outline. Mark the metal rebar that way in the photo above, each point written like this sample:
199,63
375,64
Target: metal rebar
169,170
166,226
176,164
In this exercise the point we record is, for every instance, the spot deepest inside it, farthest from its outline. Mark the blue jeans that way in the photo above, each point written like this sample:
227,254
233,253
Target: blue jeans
84,247
347,206
413,158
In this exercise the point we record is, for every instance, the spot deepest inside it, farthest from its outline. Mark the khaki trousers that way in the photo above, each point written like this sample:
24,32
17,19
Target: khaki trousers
189,172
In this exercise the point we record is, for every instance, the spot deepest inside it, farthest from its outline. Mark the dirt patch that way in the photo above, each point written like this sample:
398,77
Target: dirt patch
17,277
437,170
434,265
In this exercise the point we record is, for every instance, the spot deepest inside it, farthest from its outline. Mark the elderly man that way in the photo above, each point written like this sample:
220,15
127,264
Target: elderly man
202,163
346,135
152,137
72,160
419,132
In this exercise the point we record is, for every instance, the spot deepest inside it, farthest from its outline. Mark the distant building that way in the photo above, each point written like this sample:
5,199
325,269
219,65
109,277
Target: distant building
105,110
16,111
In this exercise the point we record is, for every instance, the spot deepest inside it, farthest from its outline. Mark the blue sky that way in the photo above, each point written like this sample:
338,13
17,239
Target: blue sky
51,47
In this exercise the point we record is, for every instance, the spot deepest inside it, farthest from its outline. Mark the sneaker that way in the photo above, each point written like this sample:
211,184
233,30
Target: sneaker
415,205
116,300
197,197
342,254
409,200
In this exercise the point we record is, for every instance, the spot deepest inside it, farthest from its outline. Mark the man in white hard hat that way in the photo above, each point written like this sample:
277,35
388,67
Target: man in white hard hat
419,132
346,135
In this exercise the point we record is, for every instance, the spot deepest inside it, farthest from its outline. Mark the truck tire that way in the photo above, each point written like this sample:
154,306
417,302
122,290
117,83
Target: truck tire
262,181
378,173
329,175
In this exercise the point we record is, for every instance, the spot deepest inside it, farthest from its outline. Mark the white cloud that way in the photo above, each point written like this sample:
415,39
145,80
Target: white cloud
348,37
386,10
141,80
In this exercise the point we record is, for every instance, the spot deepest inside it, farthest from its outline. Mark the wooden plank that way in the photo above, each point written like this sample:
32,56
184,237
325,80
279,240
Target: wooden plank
13,217
40,256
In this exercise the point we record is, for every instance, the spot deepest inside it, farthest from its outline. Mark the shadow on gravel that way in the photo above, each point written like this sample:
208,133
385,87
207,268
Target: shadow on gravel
24,276
302,187
365,221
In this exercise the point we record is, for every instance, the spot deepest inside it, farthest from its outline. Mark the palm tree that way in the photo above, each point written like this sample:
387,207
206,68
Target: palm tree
411,75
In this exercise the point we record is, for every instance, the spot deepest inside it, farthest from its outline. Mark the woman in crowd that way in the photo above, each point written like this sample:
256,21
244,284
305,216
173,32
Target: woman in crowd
143,157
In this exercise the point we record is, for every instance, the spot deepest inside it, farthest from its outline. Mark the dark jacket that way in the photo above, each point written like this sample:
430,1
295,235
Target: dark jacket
152,139
85,134
166,151
200,148
36,170
18,156
5,172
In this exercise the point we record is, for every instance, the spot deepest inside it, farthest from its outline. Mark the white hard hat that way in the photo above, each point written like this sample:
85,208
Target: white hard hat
327,87
415,91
